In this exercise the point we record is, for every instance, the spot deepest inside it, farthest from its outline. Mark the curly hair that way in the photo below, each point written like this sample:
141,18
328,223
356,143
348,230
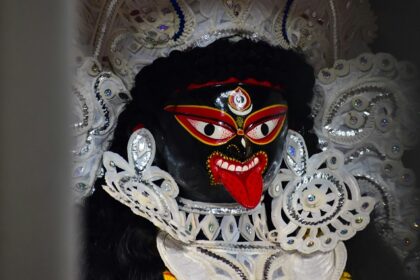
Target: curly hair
217,62
120,245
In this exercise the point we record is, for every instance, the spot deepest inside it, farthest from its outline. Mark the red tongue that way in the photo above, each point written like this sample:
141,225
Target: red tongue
246,188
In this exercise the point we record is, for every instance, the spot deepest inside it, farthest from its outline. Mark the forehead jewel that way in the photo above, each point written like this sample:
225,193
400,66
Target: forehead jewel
239,101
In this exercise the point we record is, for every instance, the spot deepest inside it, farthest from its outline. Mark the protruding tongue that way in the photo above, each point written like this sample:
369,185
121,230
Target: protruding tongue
245,188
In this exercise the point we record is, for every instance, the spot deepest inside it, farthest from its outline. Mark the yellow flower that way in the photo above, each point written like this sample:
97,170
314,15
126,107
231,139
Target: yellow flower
168,276
345,276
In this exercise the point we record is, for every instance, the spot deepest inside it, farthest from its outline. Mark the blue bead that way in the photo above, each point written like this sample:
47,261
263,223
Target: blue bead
108,92
311,198
163,27
291,150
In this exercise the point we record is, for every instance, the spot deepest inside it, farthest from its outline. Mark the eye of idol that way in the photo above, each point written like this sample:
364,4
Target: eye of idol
211,130
208,125
263,126
262,130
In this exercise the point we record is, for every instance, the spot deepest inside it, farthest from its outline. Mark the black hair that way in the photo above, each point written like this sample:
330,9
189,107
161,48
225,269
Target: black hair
121,245
217,62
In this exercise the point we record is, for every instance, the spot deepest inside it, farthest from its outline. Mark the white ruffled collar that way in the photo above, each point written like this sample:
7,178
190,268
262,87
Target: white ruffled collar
316,204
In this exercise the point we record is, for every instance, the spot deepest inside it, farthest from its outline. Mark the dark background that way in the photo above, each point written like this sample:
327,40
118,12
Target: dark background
398,28
399,34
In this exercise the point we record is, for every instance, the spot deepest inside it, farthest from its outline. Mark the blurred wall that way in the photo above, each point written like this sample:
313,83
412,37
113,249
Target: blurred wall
36,224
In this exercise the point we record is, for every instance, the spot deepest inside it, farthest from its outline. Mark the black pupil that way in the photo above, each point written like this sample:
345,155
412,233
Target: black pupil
209,129
264,129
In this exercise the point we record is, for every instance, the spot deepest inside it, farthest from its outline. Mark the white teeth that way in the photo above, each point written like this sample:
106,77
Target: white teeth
238,168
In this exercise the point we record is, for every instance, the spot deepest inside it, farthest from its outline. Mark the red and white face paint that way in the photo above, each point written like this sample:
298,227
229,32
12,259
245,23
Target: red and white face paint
241,132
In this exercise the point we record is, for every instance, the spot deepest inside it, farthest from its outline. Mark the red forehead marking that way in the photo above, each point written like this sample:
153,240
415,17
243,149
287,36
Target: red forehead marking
232,80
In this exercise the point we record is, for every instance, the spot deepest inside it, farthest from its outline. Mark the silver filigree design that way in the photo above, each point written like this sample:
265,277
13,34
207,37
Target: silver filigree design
239,272
132,34
142,150
100,97
212,208
126,36
152,193
296,153
366,110
320,204
371,131
224,261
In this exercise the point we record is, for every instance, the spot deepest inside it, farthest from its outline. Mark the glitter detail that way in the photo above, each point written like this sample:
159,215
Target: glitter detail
364,151
223,260
291,150
213,208
268,263
302,183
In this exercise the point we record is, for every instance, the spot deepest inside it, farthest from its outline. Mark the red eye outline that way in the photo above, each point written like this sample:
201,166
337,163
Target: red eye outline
262,116
187,114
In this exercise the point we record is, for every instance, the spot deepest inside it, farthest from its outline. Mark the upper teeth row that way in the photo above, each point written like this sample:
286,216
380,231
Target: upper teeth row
241,168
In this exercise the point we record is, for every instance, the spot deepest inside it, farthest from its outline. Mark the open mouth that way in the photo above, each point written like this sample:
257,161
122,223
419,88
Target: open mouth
243,180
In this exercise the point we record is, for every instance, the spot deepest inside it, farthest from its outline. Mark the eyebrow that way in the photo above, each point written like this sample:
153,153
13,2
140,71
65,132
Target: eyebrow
278,109
202,111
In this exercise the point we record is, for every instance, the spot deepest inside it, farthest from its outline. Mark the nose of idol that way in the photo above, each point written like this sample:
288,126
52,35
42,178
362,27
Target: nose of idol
224,143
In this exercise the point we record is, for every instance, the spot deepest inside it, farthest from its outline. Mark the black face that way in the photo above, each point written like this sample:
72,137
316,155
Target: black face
223,143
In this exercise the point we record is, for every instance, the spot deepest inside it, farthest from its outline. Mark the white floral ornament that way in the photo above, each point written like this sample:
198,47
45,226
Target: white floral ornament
149,191
321,202
99,97
366,107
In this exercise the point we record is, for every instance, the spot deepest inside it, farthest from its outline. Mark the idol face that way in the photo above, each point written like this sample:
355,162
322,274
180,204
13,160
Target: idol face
223,143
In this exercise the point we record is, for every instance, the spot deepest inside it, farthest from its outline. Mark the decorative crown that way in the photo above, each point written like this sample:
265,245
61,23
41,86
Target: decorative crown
128,35
357,98
116,39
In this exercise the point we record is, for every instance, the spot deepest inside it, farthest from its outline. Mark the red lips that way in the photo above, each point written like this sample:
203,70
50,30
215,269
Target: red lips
243,180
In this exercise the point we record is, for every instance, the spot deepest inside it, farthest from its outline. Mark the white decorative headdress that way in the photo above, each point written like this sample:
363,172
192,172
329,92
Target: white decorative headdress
362,110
